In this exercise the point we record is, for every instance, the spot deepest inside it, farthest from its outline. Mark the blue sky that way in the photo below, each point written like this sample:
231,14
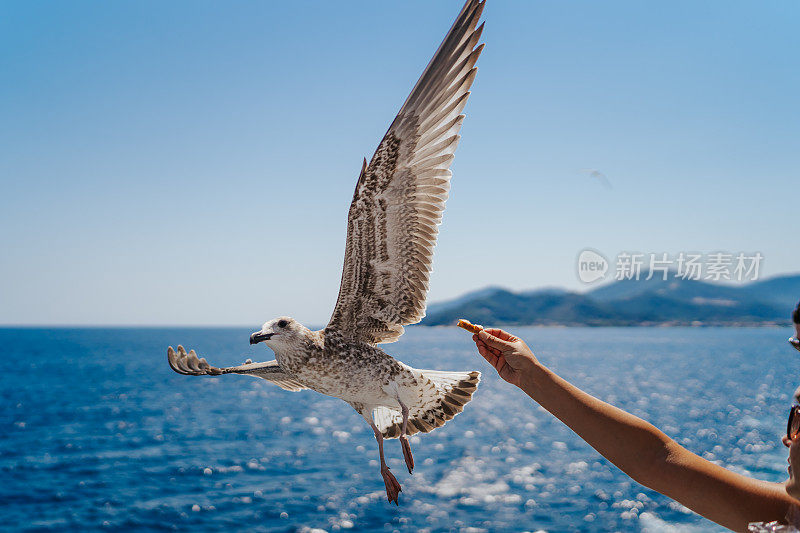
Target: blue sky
192,162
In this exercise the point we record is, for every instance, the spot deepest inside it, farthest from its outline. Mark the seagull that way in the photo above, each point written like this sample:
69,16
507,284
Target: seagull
602,178
392,226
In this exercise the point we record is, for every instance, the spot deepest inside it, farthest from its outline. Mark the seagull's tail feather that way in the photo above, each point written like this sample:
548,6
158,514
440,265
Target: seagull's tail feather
440,398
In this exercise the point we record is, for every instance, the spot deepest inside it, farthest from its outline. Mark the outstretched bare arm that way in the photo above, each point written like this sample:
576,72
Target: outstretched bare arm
637,447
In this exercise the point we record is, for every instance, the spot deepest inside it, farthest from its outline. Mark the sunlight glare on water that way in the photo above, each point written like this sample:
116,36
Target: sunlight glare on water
99,432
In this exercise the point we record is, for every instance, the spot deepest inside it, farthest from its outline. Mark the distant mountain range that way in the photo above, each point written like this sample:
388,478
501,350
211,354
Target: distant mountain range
671,302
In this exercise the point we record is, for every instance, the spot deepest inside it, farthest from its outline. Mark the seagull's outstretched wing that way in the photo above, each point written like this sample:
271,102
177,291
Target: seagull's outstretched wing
189,364
400,196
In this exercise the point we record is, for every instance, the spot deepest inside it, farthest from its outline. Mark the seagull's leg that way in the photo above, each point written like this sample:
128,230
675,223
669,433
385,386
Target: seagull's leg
404,439
392,486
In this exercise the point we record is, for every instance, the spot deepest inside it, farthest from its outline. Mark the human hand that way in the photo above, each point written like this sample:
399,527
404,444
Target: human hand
509,355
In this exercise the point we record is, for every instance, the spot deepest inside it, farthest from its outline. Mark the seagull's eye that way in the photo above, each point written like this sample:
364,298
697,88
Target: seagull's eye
282,323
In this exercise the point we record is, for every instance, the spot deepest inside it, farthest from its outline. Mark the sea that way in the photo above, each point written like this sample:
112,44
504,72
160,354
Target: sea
97,433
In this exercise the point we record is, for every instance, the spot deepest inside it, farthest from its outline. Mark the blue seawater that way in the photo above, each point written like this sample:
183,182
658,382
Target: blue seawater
99,434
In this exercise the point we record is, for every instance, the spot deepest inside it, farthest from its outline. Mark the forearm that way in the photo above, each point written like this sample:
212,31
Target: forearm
638,448
633,445
651,458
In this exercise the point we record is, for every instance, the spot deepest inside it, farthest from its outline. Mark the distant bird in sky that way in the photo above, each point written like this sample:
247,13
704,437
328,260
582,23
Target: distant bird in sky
593,172
391,233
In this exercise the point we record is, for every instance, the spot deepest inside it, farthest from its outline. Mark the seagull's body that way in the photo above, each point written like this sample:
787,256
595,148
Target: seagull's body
392,228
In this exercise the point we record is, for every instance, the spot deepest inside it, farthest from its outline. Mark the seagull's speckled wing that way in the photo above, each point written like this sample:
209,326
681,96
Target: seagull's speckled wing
399,199
189,364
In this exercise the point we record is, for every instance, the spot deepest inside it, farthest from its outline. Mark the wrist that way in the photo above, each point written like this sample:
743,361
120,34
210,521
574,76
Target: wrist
531,377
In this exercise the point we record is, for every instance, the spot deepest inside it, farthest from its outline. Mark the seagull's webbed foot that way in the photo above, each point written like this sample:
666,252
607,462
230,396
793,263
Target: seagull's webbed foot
392,486
407,453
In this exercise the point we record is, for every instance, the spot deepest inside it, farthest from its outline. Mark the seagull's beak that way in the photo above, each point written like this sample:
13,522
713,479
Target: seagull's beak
258,336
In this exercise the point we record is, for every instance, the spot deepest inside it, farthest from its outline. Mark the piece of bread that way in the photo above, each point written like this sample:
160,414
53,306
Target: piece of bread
467,325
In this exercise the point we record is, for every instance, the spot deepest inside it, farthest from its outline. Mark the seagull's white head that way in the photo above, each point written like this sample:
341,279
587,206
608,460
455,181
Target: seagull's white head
281,332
